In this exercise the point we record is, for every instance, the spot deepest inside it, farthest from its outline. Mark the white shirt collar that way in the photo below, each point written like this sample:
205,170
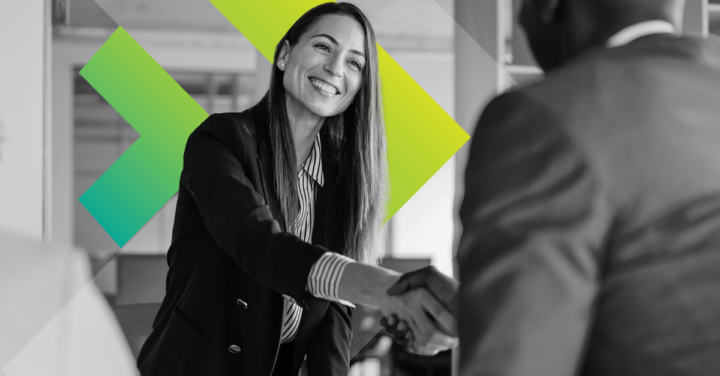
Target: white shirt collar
638,30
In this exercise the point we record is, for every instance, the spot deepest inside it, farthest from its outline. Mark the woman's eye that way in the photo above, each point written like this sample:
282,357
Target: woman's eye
323,47
356,64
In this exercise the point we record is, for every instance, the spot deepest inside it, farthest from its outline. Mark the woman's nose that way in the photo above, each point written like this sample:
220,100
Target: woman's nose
334,66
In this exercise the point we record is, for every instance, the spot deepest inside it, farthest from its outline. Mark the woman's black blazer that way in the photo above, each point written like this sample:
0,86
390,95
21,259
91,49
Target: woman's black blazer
230,262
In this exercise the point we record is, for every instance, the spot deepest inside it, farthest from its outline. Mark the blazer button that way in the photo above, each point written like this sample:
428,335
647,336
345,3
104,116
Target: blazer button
234,349
242,303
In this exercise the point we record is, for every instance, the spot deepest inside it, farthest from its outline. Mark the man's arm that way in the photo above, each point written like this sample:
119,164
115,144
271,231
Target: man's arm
534,218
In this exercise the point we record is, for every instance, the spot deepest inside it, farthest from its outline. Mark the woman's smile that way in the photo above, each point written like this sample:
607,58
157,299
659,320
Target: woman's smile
324,88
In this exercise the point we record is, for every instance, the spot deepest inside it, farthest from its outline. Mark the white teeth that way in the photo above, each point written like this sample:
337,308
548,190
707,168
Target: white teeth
325,88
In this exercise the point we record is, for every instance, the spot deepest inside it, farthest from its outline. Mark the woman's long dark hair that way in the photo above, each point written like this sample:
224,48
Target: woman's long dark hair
358,135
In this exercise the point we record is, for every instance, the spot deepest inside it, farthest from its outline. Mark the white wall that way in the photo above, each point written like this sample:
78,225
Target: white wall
22,111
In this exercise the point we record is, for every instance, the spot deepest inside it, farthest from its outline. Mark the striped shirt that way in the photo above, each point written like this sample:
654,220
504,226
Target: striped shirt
325,274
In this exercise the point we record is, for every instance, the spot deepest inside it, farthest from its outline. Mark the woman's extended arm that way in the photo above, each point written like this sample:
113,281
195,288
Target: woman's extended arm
217,172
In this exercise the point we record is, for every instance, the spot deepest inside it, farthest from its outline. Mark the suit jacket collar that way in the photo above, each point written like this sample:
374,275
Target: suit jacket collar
703,50
323,235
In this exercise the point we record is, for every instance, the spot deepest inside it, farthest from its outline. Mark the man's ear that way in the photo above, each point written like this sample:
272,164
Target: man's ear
549,10
283,56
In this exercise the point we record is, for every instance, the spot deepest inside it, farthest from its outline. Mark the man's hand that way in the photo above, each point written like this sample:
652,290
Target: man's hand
423,322
433,328
443,288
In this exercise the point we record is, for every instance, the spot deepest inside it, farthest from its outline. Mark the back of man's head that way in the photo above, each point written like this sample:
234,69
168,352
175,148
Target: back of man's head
558,30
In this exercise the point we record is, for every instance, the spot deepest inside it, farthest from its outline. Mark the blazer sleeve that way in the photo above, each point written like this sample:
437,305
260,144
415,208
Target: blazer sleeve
215,172
534,218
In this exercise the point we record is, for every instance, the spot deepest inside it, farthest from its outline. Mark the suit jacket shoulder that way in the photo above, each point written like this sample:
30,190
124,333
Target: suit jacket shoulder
235,131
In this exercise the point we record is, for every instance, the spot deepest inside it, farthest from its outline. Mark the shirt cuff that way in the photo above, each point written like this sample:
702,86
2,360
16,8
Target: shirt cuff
325,275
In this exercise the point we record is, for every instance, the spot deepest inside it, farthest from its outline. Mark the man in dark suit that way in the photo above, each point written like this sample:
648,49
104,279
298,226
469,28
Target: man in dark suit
591,242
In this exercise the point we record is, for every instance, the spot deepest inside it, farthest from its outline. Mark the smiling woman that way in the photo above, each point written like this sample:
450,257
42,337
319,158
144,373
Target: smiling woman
326,78
275,206
331,62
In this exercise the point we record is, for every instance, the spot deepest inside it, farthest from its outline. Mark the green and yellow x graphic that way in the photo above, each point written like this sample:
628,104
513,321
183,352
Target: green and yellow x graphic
421,136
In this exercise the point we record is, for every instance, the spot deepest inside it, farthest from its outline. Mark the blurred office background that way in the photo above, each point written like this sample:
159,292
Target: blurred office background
60,135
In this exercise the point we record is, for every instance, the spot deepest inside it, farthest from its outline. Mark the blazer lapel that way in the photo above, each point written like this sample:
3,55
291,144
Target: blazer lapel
322,235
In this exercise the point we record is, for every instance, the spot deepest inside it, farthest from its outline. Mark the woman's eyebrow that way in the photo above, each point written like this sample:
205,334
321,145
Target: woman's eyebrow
335,42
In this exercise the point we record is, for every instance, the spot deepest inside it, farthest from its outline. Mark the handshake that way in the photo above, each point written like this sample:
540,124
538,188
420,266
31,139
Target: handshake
425,322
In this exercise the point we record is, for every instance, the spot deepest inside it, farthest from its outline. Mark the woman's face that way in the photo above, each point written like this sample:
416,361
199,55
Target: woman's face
323,71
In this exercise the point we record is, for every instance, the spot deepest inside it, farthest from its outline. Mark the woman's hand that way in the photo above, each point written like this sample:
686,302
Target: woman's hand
432,327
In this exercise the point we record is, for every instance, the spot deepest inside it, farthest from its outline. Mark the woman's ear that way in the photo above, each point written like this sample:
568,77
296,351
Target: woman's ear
283,56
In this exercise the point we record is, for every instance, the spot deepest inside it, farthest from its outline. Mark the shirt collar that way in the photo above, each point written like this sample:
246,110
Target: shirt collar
313,164
638,30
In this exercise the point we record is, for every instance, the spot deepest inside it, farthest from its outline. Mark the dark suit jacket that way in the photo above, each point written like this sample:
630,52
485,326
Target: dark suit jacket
591,217
230,260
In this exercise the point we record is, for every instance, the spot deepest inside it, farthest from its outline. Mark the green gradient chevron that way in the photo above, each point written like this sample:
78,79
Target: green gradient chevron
138,184
421,136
